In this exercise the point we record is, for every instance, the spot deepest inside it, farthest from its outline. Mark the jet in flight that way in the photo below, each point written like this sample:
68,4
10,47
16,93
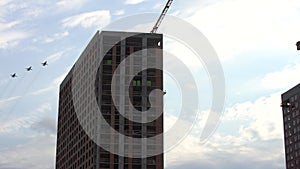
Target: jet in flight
29,68
13,75
44,63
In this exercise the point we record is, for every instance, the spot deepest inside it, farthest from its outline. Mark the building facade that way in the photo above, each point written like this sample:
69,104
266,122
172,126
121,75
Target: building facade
111,73
291,121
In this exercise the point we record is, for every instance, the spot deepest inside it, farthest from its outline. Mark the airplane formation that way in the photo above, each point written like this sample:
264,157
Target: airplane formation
28,69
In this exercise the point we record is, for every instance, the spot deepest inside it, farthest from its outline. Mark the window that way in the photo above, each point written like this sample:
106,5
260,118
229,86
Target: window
149,83
134,82
108,62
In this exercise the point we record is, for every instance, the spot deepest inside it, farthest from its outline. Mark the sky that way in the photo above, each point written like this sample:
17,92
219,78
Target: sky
255,42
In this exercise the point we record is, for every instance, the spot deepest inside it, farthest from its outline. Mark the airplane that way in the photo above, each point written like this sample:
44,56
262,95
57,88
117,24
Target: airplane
29,68
13,75
44,63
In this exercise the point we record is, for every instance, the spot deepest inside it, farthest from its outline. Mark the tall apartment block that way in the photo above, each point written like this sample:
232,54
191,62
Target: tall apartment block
78,146
291,121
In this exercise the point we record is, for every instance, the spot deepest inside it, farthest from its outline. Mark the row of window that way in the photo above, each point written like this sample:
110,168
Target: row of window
138,83
290,125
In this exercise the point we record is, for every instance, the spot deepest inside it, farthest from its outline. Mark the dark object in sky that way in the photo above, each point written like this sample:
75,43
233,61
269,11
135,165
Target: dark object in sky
298,45
13,75
161,17
44,63
29,68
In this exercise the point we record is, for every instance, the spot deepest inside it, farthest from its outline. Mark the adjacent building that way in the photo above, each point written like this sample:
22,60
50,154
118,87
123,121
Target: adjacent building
79,133
291,121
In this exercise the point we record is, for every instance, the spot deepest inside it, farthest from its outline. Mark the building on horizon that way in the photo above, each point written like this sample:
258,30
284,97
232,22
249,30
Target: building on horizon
291,122
77,134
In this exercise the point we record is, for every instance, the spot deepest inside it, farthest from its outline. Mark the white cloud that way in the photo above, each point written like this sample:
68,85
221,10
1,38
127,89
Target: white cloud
46,125
56,56
44,90
120,12
8,25
133,2
53,37
145,27
258,141
70,3
53,85
282,79
264,116
235,26
98,18
182,52
37,153
4,2
24,10
5,102
225,155
10,38
158,5
25,121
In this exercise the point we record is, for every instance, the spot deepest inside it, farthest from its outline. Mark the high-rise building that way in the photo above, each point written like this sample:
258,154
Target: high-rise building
123,91
291,121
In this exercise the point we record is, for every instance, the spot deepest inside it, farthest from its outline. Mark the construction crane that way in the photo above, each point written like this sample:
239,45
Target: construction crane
161,17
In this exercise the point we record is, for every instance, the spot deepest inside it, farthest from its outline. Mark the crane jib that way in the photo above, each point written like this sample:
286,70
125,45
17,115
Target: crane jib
162,15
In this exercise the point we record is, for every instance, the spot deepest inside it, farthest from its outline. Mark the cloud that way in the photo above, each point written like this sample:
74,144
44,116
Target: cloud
223,152
282,79
23,10
256,143
8,25
133,2
158,5
10,38
234,27
53,85
258,155
53,37
37,153
264,117
86,20
56,56
5,102
4,2
70,3
178,49
47,125
25,121
119,12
